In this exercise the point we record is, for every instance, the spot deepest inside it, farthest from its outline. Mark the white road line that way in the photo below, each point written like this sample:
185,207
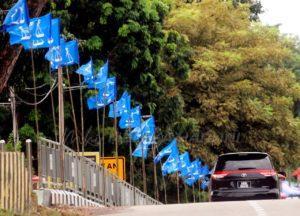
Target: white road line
258,209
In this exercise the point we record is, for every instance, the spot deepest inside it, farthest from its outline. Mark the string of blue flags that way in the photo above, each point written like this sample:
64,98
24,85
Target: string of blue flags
44,32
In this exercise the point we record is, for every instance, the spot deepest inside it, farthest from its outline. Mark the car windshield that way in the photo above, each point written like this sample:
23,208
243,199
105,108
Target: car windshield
243,162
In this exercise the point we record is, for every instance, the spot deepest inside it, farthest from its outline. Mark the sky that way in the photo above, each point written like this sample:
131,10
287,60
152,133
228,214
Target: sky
284,12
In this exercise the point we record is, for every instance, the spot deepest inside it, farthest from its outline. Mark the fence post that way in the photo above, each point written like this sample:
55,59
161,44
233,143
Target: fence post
2,143
29,163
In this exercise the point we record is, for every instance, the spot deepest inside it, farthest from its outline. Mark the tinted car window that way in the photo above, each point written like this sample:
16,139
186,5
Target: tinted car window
243,161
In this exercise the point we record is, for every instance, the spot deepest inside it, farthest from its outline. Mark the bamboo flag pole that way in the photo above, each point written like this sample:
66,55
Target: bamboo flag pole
178,195
34,92
156,195
61,122
164,182
185,193
53,107
131,164
116,138
81,113
199,185
73,111
194,198
144,170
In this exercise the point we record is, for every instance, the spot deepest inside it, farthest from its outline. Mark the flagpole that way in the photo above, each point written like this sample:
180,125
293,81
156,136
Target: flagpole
185,193
61,122
34,92
164,181
155,173
144,170
131,165
73,110
36,114
103,154
194,198
53,107
116,138
178,195
199,185
81,113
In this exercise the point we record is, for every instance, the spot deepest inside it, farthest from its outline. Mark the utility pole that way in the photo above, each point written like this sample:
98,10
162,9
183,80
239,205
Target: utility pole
14,115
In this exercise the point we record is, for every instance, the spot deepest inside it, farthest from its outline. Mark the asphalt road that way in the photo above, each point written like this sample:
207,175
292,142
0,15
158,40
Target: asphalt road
243,208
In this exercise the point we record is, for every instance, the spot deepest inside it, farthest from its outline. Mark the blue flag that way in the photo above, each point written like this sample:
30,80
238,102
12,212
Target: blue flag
184,164
204,184
170,148
171,164
93,102
142,148
147,127
86,70
205,170
99,80
70,53
108,92
105,96
17,15
40,31
131,119
121,106
54,39
18,33
55,54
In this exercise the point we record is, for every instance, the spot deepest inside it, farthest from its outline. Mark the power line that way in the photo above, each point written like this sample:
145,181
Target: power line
42,100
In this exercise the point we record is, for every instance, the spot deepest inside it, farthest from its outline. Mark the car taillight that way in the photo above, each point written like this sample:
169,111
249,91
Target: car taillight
219,175
267,173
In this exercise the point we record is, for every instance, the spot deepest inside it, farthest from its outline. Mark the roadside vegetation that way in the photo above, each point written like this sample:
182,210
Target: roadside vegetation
209,71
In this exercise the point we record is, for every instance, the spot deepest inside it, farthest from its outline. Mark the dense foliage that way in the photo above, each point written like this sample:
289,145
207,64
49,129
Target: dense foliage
209,71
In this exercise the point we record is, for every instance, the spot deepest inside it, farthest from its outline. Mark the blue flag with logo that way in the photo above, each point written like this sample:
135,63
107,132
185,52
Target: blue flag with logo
55,54
94,102
17,15
108,92
169,149
171,164
147,127
120,107
70,53
54,39
18,34
185,163
86,70
205,170
142,148
131,119
40,31
99,80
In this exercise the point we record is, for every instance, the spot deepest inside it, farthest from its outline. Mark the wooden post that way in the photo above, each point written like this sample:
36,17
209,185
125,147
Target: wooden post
116,139
194,198
178,195
53,107
185,193
14,116
2,143
34,92
29,167
61,122
156,195
144,170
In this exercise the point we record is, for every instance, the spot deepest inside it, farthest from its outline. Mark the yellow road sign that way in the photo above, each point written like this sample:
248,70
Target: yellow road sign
110,163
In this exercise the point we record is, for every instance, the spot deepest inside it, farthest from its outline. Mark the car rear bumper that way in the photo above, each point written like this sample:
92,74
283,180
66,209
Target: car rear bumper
233,195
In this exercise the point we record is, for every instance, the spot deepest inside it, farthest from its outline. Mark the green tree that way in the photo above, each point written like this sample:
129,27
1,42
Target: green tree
241,91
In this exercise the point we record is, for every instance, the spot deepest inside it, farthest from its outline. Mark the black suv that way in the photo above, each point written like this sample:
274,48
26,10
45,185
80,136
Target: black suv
244,176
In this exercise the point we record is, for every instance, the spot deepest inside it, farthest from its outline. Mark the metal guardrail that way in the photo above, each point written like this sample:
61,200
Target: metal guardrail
85,177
